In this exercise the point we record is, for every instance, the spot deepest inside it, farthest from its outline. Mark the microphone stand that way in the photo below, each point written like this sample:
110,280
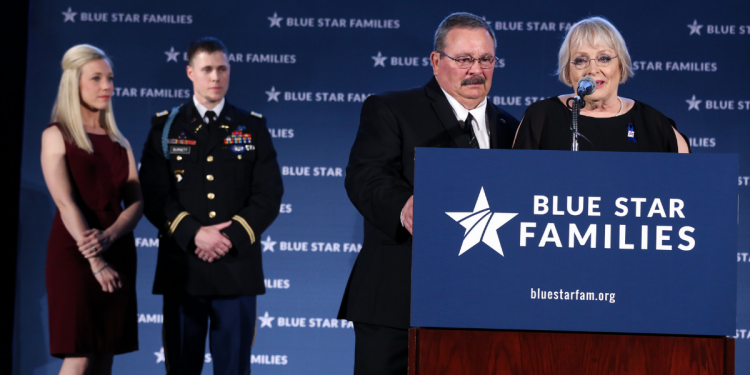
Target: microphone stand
578,104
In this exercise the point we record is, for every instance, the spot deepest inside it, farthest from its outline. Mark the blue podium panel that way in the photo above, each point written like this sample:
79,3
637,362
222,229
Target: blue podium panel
564,241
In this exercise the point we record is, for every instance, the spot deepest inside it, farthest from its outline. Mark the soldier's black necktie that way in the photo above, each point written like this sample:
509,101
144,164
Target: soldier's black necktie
211,116
469,131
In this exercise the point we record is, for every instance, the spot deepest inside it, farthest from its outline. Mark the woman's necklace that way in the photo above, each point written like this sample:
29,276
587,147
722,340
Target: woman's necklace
621,107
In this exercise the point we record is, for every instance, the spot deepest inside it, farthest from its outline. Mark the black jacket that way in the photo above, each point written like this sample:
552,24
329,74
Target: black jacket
205,182
379,181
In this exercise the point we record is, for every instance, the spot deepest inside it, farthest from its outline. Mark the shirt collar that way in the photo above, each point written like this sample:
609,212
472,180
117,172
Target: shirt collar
202,110
461,112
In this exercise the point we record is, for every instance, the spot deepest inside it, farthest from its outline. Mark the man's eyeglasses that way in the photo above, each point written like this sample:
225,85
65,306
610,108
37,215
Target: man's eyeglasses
464,62
583,61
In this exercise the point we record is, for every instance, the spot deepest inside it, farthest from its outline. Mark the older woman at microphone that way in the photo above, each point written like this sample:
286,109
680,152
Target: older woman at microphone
594,48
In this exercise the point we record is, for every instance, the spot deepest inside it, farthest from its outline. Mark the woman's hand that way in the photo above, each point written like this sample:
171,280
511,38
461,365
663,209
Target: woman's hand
107,277
94,242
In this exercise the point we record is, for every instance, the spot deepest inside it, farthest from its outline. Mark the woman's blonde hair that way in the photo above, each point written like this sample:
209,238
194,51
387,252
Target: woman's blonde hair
593,31
67,109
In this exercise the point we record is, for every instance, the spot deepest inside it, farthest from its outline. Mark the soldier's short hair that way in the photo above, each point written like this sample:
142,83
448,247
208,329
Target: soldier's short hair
205,44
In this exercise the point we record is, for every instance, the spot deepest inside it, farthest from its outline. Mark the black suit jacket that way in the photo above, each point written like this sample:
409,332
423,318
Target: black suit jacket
207,183
379,181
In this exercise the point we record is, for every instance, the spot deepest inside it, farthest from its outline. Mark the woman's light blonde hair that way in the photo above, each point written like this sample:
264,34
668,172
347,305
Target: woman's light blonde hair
67,109
593,31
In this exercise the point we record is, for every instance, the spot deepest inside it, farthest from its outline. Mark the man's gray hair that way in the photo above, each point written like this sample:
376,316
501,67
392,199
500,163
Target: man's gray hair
460,20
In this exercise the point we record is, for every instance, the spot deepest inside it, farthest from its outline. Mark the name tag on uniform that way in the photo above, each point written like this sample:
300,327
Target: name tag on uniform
181,150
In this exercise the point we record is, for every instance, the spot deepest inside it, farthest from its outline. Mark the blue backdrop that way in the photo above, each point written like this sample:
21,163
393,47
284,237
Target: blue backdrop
307,67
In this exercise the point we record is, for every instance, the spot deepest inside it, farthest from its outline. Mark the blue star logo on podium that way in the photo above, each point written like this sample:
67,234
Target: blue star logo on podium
171,55
265,320
275,20
159,355
695,28
268,244
273,94
69,15
481,225
693,103
379,60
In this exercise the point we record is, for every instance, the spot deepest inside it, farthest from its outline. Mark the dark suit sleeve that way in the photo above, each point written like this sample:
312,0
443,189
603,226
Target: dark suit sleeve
266,189
157,184
375,179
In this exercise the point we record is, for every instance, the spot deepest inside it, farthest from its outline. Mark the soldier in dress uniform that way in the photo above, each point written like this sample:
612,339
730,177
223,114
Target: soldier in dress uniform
211,185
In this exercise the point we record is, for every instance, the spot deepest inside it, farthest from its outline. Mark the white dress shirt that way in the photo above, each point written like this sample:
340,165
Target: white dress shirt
480,118
202,110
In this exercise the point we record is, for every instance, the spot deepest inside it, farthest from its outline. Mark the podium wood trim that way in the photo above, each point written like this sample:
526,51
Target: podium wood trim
459,352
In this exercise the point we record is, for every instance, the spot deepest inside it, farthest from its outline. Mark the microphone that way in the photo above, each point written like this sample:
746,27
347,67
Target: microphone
586,86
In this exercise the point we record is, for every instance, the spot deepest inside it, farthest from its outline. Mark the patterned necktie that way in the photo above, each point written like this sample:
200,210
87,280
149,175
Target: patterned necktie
469,131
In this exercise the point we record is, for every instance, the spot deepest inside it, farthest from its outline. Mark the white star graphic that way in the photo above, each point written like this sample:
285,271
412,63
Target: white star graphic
171,55
69,15
379,60
275,20
481,224
266,320
488,22
695,28
268,244
159,355
273,94
693,103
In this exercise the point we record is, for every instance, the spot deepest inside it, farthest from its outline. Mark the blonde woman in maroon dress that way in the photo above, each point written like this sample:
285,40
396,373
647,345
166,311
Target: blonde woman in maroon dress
91,260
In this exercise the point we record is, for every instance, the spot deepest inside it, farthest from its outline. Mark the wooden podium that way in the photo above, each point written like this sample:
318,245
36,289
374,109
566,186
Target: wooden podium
558,269
490,352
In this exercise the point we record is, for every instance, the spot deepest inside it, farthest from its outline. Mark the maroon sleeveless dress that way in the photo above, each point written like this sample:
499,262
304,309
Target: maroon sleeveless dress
82,318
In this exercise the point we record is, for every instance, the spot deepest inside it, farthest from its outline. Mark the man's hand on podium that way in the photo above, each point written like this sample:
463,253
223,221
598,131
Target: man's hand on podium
407,214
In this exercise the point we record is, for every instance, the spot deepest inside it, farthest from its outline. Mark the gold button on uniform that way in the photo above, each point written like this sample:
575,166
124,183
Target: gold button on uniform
239,157
211,195
210,177
210,158
178,157
212,214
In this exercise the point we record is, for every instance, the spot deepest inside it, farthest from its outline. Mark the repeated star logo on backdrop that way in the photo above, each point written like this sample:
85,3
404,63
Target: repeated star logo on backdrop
159,355
265,320
69,15
693,103
275,20
379,60
695,28
172,55
481,225
273,94
268,244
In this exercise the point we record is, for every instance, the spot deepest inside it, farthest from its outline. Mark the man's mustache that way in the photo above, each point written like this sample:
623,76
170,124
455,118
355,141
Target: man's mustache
475,80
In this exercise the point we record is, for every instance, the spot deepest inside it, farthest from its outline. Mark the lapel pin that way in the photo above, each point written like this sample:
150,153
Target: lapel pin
631,133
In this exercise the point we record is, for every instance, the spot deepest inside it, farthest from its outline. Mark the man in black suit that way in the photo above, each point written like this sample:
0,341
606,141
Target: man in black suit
211,185
452,110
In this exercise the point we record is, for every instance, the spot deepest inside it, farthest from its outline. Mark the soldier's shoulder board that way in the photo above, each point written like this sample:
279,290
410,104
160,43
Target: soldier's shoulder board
162,113
256,114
